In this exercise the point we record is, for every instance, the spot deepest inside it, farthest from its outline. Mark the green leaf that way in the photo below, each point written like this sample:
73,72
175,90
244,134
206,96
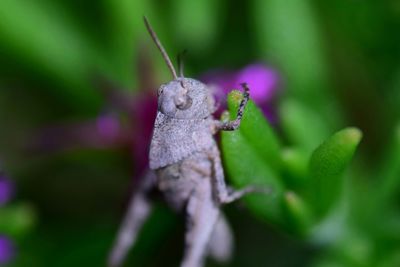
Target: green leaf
295,167
250,155
256,130
303,127
297,213
327,165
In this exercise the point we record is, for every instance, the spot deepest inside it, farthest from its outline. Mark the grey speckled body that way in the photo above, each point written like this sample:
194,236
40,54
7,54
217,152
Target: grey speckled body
180,133
186,159
186,168
179,180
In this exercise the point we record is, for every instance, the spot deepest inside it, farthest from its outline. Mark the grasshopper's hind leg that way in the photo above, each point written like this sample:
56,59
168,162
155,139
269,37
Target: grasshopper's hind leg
202,215
137,213
220,247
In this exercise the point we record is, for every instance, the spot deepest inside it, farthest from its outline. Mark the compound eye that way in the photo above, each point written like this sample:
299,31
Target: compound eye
183,102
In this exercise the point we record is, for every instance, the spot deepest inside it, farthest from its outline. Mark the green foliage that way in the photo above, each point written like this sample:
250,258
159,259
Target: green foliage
256,130
254,155
59,50
389,171
303,127
246,163
295,167
17,220
327,164
205,18
289,36
298,215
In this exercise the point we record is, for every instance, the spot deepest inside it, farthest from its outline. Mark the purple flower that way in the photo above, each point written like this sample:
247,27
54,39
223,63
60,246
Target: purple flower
263,82
6,190
7,250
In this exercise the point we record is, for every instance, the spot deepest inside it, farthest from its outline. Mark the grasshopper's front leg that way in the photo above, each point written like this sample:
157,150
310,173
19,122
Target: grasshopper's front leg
234,125
137,213
222,193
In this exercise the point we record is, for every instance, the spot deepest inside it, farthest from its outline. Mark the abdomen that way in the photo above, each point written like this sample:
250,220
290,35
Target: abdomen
179,180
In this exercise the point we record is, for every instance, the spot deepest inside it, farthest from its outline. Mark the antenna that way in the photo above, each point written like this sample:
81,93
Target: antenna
160,47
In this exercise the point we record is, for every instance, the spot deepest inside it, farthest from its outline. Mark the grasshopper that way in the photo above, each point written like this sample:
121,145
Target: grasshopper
185,165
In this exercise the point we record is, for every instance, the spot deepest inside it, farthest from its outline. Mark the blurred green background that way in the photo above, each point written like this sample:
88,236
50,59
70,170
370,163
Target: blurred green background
339,61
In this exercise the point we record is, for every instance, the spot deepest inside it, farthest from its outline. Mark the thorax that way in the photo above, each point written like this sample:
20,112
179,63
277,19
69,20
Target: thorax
176,139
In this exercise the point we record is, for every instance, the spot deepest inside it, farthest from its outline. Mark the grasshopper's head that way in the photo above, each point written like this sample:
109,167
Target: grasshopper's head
182,98
185,98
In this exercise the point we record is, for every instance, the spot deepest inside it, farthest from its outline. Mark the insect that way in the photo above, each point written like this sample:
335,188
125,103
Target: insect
186,167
